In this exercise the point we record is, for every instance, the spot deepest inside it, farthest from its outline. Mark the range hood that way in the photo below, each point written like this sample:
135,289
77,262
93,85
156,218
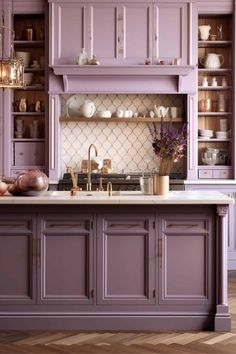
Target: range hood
126,79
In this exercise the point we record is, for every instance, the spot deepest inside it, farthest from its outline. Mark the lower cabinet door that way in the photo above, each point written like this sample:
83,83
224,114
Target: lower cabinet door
186,262
126,258
66,259
17,261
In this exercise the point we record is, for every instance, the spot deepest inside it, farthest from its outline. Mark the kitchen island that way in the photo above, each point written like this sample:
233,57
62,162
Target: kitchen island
126,261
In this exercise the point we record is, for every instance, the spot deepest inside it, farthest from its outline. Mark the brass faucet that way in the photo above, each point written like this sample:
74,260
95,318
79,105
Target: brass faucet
109,188
89,181
73,175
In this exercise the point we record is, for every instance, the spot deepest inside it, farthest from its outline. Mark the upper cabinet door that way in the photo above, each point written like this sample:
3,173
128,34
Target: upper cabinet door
171,31
103,32
135,28
67,32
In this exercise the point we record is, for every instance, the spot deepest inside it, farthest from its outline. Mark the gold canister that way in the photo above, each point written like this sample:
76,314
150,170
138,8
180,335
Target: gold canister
160,185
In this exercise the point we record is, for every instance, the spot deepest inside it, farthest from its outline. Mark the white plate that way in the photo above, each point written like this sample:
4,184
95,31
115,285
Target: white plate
73,105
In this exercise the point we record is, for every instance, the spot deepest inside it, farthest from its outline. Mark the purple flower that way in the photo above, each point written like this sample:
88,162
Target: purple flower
169,143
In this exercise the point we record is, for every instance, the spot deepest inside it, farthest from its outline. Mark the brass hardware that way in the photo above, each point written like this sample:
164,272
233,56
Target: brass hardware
92,293
155,37
109,188
183,225
160,252
124,225
120,18
34,248
100,188
89,182
73,175
154,293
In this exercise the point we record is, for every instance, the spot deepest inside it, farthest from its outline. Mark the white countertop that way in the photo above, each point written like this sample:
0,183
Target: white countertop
129,197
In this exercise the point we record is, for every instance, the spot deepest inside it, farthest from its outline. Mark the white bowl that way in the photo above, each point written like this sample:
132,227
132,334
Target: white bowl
28,77
25,56
206,132
104,114
221,135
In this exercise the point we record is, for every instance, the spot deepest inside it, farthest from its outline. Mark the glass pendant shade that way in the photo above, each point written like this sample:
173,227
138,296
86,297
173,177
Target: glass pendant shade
11,73
11,69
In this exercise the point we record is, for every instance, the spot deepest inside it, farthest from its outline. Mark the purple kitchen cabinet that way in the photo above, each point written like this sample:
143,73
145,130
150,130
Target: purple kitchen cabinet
126,259
135,43
29,153
104,33
186,247
17,262
171,31
68,31
66,259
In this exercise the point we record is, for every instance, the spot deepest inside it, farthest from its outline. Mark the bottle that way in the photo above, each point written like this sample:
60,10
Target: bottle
214,82
29,33
82,59
224,82
204,81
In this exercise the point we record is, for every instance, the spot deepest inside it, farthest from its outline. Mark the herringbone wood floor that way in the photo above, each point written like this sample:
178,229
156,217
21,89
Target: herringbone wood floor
52,342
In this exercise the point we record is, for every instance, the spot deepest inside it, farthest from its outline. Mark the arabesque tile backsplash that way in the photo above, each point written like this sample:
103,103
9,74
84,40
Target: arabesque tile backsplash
128,145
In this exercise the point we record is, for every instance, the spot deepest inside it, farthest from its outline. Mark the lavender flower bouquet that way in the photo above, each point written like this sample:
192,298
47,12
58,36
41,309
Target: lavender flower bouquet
169,143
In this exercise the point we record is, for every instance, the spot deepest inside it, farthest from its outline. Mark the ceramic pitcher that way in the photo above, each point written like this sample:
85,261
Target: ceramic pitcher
87,109
204,32
212,61
161,111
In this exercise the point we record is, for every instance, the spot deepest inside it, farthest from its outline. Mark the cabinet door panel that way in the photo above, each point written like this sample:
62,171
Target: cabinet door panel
66,259
186,259
171,31
103,32
29,153
67,32
17,266
125,260
136,33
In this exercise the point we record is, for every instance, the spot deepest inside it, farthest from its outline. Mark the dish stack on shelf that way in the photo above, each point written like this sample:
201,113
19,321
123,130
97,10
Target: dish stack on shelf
215,96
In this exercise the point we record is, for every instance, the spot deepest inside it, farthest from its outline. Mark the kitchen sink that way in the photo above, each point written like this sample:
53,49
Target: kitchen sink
82,194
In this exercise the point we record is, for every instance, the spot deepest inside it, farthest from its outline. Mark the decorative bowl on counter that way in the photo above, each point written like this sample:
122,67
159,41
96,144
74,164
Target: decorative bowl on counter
32,182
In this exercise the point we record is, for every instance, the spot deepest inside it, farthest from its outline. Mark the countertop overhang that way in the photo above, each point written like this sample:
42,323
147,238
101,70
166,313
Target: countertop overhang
120,198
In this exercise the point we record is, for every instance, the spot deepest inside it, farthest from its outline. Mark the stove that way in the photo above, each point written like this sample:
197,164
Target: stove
120,181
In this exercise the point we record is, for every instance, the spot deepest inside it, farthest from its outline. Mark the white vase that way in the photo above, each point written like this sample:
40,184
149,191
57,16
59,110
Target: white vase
82,59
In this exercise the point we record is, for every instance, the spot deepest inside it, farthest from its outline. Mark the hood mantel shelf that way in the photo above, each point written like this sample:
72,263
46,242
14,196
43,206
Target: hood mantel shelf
152,78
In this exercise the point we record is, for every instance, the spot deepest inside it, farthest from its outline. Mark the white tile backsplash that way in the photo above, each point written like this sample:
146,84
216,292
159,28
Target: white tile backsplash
128,145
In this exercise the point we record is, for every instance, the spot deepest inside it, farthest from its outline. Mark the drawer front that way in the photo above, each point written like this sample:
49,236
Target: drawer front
205,174
176,226
222,174
29,153
66,225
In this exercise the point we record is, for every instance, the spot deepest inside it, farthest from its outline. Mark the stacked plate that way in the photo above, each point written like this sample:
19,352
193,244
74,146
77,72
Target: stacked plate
205,133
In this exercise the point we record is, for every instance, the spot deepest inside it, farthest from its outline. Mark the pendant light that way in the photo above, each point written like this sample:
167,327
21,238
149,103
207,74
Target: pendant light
11,69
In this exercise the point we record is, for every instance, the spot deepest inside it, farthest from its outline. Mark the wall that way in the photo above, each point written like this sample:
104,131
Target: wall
128,145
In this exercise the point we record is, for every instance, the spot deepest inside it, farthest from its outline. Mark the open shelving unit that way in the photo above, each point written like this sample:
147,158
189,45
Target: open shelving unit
211,96
28,148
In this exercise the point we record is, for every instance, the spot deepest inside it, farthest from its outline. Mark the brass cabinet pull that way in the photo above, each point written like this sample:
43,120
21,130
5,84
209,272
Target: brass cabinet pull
182,225
38,247
124,225
160,252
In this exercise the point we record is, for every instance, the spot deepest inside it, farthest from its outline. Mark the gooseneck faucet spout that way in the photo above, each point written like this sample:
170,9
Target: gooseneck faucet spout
89,181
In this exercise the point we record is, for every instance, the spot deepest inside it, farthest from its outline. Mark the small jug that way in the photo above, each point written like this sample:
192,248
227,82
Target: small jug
212,61
204,32
161,111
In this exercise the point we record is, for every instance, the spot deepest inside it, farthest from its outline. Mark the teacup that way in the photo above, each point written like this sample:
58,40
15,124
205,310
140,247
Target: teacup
120,113
128,113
